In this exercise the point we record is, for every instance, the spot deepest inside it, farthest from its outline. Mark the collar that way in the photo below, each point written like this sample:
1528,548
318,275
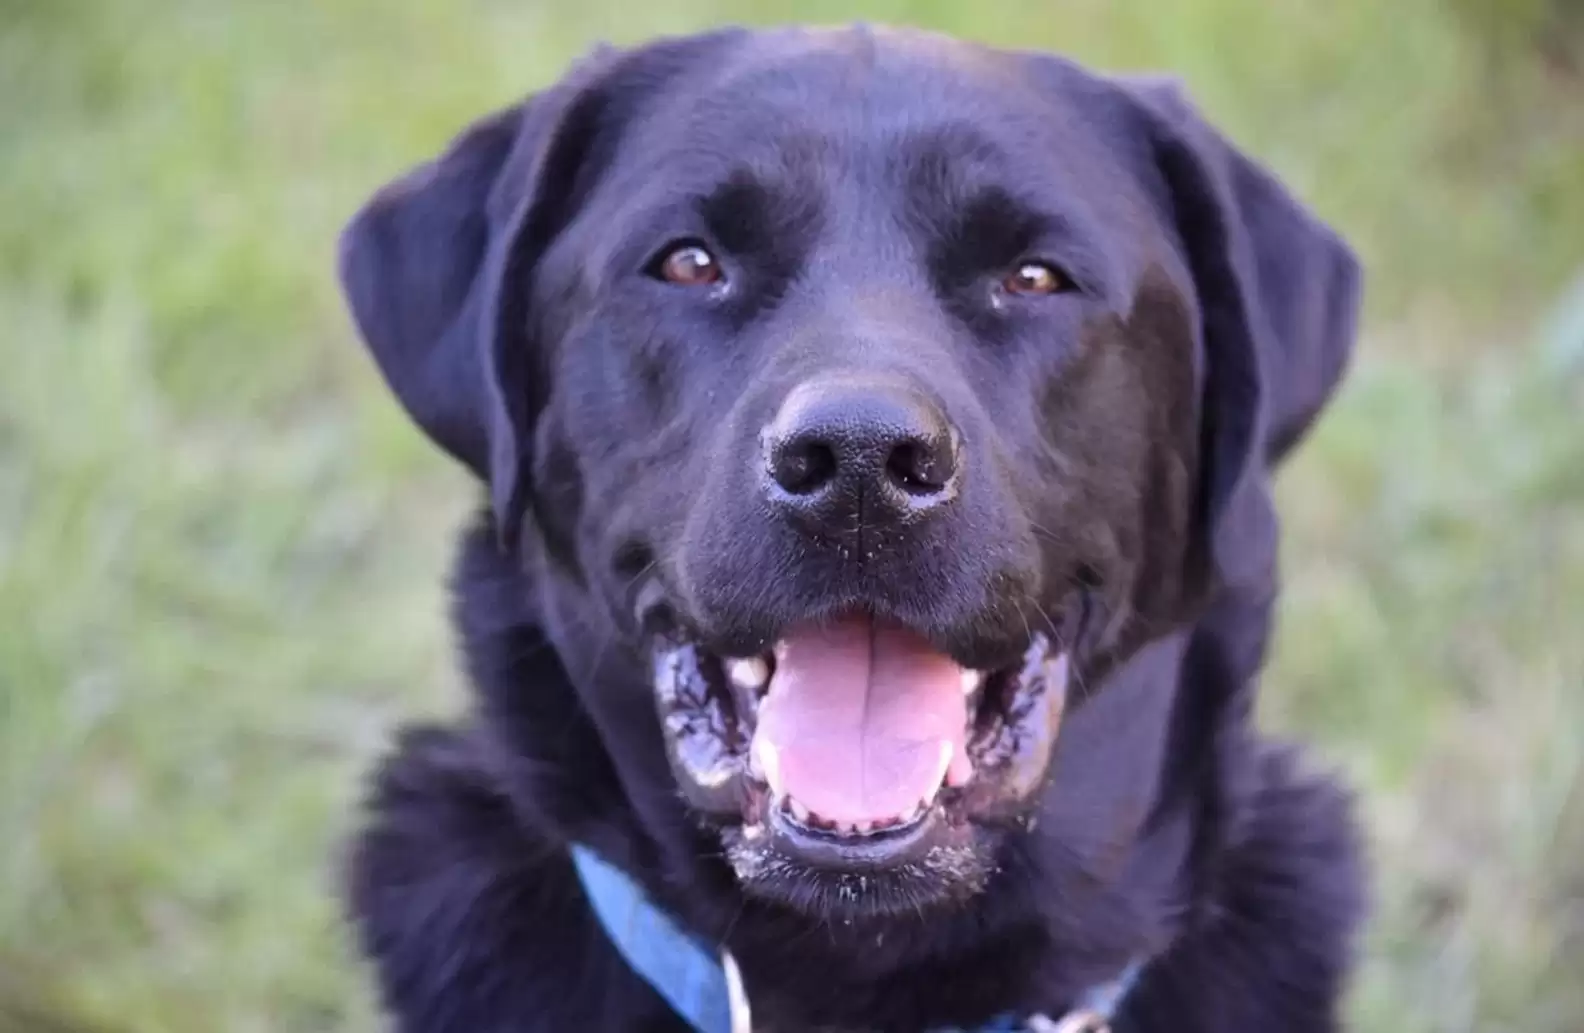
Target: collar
706,989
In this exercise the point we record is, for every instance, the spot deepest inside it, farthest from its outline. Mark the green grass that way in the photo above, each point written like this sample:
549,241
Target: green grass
220,543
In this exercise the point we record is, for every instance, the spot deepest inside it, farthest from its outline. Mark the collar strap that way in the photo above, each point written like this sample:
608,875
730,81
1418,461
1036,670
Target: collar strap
706,989
696,983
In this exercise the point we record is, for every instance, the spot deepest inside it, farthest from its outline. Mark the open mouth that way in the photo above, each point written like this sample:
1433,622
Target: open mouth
851,741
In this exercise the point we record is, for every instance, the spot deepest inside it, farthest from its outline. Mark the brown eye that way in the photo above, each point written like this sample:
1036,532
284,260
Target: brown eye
689,265
1036,278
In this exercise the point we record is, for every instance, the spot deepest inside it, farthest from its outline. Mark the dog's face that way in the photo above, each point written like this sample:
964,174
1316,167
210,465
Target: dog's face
879,390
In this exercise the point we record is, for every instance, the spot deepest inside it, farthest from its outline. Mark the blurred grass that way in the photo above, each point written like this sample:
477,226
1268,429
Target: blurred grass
221,544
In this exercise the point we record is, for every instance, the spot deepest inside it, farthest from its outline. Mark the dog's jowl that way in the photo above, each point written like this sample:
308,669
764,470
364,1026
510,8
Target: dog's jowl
875,555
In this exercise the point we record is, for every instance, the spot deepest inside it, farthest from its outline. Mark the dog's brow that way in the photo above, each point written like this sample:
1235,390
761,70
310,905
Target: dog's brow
747,214
968,229
993,227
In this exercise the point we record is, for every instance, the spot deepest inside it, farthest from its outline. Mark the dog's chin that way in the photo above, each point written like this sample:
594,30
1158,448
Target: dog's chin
853,771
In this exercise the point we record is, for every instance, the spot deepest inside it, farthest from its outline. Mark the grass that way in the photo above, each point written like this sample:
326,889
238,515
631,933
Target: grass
220,543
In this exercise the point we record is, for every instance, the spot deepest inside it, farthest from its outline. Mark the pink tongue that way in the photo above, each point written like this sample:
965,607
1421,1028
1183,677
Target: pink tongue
857,714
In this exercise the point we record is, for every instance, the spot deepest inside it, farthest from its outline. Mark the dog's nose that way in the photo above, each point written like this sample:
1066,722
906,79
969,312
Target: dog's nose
854,449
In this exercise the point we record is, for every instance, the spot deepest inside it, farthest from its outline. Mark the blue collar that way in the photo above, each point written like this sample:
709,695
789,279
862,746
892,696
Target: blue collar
705,988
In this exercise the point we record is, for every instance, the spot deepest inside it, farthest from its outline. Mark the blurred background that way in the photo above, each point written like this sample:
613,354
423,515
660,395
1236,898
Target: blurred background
221,544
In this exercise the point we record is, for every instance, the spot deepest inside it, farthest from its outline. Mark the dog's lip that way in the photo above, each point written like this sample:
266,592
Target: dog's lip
838,853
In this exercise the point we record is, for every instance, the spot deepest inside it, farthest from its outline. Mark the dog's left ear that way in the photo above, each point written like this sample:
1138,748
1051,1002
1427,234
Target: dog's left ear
1279,296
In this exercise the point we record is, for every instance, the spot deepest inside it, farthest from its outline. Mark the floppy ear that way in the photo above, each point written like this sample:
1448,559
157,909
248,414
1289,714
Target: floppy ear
435,271
1279,298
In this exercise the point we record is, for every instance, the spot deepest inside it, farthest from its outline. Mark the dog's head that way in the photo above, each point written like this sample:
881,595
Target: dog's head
878,390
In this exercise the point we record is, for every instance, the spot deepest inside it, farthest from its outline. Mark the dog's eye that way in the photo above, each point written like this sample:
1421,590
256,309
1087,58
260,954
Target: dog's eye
688,264
1036,278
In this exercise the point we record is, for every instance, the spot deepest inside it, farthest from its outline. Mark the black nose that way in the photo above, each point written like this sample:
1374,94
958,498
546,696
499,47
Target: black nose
860,449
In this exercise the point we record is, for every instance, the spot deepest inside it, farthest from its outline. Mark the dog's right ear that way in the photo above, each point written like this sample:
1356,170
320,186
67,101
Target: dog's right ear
435,270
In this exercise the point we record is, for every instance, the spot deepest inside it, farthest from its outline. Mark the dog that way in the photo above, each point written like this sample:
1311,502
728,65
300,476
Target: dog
875,558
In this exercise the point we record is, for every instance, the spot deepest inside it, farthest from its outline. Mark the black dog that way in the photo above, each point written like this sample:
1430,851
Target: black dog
859,410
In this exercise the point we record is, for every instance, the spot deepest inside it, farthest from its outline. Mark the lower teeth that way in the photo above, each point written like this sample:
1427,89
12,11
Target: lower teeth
804,816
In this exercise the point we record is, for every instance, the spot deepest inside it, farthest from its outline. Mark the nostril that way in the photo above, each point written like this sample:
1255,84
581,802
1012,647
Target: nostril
802,467
921,469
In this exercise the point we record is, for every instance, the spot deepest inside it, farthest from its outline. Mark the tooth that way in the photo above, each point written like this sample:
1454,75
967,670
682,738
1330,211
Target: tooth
945,763
799,812
1058,667
748,672
768,761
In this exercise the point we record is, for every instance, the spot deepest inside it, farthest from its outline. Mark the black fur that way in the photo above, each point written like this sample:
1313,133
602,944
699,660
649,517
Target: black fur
863,189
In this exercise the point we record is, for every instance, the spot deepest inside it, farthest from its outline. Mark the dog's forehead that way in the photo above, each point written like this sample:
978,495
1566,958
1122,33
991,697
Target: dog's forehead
864,68
841,93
